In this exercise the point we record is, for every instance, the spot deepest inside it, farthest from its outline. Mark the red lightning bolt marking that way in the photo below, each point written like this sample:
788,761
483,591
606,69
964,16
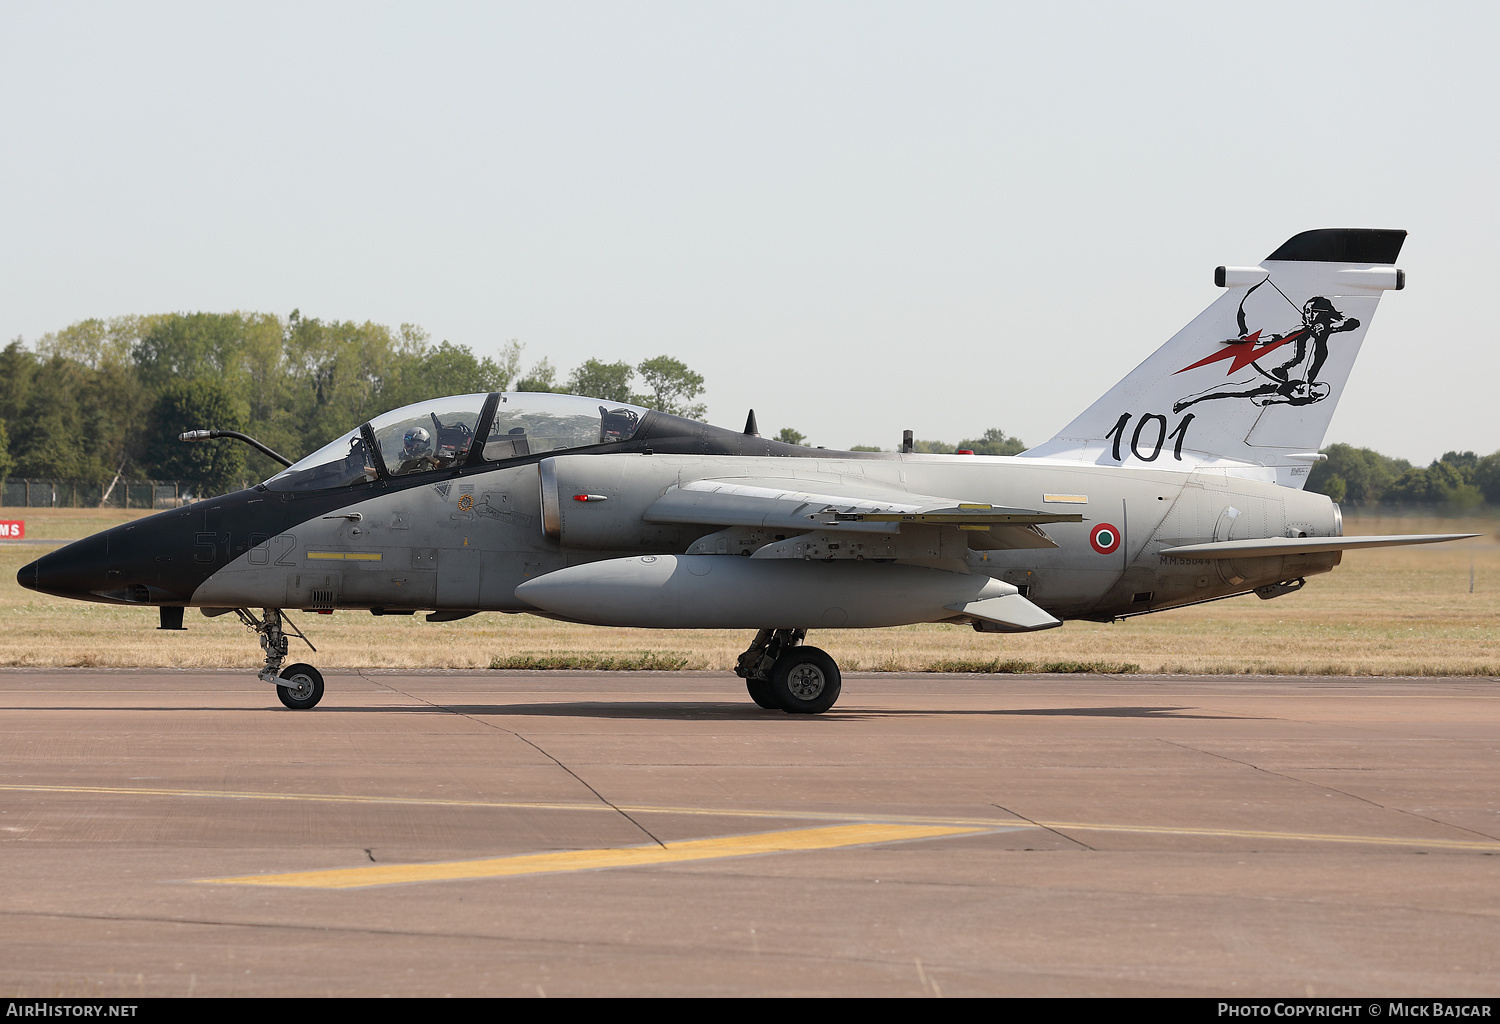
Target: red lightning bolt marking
1243,352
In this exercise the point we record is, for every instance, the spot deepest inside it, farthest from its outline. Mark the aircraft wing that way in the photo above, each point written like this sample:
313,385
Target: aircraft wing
830,505
1303,545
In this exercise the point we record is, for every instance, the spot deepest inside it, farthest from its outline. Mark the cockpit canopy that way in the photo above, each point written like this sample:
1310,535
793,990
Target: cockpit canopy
445,433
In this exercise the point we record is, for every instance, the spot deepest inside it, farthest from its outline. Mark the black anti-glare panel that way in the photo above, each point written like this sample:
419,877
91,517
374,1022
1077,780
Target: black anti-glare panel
1342,245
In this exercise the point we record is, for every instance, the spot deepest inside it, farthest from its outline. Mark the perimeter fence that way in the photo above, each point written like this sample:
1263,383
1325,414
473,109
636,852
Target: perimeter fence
142,494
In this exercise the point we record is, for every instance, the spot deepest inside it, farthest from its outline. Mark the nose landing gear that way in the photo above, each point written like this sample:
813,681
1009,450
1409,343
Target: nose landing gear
299,686
780,673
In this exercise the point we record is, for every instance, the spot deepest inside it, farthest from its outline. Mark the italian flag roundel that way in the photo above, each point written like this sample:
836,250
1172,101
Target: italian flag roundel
1105,538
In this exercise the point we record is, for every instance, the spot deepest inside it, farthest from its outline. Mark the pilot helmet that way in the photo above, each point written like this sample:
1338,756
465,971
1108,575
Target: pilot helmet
418,440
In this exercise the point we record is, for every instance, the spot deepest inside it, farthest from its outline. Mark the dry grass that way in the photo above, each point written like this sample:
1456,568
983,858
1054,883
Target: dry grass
1392,611
585,661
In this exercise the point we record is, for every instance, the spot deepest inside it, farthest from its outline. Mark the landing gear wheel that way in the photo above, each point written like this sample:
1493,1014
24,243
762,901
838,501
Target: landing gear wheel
306,689
760,692
805,681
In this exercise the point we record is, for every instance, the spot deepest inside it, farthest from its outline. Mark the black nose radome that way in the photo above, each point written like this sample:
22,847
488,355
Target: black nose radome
75,571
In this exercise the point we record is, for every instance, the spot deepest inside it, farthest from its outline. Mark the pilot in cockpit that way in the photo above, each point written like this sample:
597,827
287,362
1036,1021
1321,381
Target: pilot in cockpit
416,453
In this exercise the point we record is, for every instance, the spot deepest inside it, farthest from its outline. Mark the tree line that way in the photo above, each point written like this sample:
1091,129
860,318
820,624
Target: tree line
104,400
993,441
1459,481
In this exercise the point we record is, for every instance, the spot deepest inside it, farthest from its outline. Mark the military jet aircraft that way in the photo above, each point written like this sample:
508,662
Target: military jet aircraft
1182,484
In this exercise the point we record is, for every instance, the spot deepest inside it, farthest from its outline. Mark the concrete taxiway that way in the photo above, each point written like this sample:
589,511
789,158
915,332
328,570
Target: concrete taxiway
179,832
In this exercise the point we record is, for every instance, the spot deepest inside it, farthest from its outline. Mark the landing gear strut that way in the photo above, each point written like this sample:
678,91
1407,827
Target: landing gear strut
781,673
299,686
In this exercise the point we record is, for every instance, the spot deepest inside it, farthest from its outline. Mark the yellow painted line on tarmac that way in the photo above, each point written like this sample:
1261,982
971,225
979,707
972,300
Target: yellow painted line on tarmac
591,806
784,815
791,841
518,805
1306,837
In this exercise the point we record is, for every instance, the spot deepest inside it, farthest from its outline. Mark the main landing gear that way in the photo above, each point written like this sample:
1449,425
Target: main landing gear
781,673
299,686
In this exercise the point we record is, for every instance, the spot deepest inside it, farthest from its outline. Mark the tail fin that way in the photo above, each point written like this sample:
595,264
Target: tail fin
1254,379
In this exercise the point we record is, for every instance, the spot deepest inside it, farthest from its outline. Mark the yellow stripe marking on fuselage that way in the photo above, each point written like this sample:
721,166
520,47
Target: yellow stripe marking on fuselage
593,860
347,556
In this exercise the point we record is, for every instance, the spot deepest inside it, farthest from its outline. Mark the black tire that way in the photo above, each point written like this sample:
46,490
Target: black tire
760,692
805,681
307,688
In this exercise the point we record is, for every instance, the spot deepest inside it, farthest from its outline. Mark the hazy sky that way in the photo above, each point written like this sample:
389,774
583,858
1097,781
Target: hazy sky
854,217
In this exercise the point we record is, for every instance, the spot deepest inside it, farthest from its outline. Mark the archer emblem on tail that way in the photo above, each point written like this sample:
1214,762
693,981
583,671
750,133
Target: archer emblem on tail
1279,386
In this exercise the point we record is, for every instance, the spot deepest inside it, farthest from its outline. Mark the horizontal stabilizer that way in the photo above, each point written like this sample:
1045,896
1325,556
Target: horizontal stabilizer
1011,613
1303,545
